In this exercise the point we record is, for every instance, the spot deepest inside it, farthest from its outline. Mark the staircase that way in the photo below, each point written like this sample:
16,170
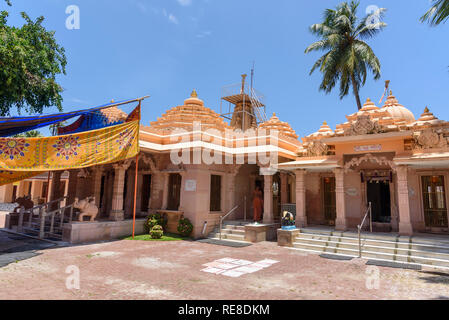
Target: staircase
232,230
425,250
44,222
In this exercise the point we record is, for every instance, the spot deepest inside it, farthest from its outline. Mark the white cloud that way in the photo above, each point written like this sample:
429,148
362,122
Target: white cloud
173,19
185,3
204,34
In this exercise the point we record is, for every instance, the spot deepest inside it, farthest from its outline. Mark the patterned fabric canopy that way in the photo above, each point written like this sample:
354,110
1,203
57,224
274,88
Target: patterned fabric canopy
22,158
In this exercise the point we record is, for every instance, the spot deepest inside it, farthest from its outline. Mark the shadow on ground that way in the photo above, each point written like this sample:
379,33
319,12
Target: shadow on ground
436,278
14,248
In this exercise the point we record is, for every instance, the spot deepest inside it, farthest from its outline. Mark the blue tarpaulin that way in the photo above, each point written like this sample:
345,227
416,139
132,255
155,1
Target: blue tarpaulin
16,125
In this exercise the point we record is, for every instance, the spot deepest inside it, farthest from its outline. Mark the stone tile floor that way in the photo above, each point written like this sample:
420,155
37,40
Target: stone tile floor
173,270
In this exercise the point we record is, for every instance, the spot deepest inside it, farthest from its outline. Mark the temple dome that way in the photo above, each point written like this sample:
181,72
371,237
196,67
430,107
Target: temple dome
398,111
184,116
282,127
325,131
427,119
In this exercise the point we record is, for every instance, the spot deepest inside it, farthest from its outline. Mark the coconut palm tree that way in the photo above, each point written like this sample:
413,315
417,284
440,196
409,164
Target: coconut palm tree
438,13
347,57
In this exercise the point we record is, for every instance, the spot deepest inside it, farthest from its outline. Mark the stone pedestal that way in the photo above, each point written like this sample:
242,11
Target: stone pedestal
286,238
260,232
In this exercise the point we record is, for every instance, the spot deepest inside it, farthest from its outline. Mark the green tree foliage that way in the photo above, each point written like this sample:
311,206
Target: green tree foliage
438,13
29,134
347,58
30,60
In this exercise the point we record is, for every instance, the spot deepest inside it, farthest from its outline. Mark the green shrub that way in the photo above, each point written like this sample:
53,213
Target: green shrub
156,232
154,220
185,227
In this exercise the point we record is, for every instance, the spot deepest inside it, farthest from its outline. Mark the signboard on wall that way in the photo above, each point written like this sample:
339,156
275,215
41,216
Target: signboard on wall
375,147
190,185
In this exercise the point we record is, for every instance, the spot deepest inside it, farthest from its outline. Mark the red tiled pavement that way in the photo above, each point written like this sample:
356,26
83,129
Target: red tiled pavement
172,270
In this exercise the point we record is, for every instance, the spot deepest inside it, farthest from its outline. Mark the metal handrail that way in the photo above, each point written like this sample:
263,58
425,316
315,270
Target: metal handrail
225,216
369,212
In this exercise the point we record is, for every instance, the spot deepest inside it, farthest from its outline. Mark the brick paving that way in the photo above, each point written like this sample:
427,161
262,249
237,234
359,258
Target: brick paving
172,270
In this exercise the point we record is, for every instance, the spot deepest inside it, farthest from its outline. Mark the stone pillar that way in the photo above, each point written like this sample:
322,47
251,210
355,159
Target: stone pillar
55,188
340,223
129,201
73,185
97,174
230,190
268,200
165,191
405,226
284,188
301,215
117,212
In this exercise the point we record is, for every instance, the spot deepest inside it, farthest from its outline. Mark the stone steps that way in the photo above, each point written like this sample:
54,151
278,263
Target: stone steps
232,230
422,251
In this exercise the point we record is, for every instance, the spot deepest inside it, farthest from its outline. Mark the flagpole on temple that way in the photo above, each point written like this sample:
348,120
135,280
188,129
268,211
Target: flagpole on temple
135,195
136,175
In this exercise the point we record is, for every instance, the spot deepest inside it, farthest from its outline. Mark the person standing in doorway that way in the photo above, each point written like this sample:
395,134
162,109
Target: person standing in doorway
257,204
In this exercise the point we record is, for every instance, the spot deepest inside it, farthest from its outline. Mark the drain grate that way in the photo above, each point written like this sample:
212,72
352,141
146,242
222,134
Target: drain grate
395,265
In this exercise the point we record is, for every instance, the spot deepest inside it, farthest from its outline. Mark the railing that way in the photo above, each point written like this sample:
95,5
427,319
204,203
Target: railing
369,213
43,213
225,216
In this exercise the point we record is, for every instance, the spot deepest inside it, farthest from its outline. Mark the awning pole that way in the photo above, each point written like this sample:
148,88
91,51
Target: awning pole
135,195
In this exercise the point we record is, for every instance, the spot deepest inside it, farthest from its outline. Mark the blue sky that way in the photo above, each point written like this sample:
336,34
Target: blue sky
165,48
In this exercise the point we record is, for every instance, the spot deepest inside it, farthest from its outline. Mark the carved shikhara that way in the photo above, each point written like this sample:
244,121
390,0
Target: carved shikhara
317,149
429,139
363,125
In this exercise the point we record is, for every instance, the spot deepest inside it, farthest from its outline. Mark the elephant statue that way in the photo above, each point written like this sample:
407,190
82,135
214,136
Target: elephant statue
87,208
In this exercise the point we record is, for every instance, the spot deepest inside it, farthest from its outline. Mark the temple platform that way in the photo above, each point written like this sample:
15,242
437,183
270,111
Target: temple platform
86,232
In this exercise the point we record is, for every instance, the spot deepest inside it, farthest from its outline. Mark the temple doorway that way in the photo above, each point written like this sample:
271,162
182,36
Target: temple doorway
379,196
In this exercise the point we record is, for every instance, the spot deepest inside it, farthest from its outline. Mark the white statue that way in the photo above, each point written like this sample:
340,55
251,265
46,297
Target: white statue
87,208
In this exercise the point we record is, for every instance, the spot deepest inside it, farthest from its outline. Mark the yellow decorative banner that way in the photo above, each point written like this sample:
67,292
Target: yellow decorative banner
22,158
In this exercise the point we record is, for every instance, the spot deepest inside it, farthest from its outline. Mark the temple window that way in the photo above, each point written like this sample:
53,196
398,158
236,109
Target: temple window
215,193
434,201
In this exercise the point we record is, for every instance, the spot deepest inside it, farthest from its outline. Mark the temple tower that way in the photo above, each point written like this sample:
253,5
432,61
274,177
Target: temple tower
246,110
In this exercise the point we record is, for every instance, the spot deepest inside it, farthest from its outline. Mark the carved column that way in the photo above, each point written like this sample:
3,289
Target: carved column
55,188
301,215
97,174
117,212
165,191
73,185
405,226
340,222
129,201
268,200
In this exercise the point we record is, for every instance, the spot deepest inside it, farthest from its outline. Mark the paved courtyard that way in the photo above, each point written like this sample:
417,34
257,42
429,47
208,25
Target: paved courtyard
191,270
